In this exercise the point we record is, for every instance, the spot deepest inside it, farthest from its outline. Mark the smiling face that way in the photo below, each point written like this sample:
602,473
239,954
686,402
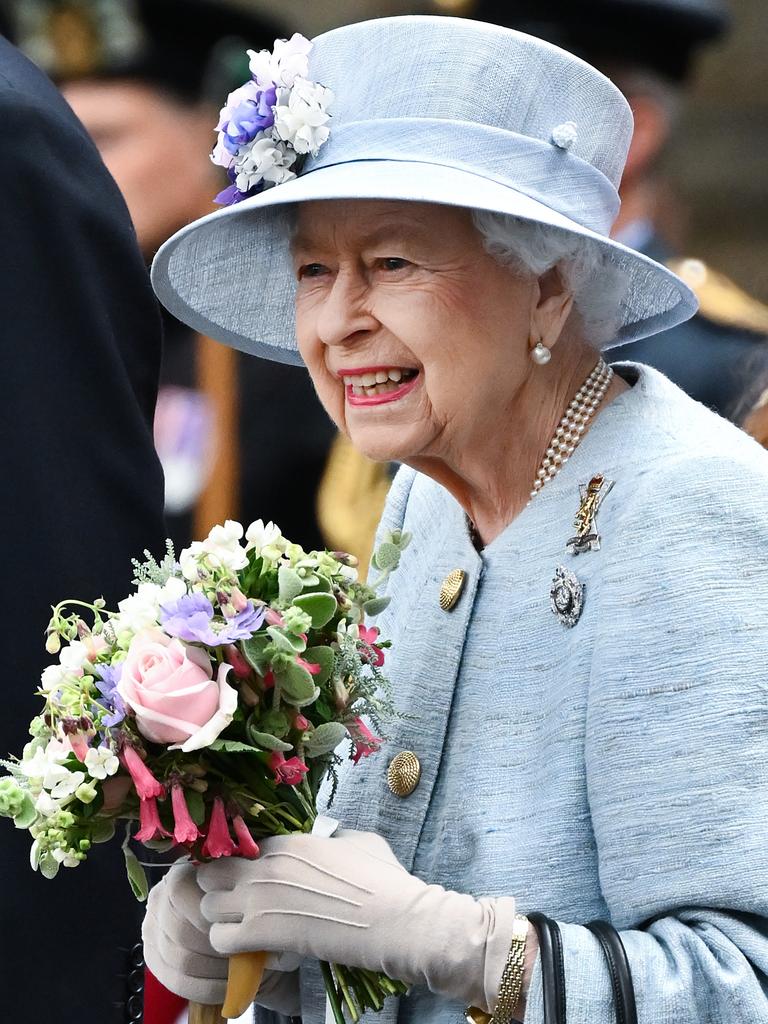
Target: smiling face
415,337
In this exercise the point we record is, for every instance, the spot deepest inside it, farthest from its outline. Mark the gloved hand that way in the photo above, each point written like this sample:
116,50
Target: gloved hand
348,900
178,951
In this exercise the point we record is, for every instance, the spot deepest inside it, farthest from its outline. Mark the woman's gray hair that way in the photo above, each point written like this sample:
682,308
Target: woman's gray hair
598,286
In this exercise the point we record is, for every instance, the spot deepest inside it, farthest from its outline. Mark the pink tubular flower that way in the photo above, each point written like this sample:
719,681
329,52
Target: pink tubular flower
273,618
246,845
268,679
218,842
149,819
290,772
365,742
240,666
300,722
79,743
184,829
310,666
369,635
145,782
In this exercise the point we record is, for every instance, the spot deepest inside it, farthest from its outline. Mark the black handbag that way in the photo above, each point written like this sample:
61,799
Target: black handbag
553,969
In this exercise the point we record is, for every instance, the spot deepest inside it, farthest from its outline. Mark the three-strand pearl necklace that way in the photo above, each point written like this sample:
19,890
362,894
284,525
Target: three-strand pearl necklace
571,428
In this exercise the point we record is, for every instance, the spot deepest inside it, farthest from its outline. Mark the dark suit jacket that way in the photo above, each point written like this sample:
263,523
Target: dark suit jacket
82,494
723,367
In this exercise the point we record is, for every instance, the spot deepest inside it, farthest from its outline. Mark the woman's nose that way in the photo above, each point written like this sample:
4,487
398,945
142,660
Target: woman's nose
345,314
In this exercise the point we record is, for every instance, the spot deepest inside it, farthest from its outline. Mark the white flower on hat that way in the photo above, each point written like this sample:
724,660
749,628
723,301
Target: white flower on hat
565,135
288,60
301,115
264,160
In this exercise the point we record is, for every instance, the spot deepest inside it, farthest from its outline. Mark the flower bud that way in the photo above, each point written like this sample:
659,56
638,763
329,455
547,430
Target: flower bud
53,643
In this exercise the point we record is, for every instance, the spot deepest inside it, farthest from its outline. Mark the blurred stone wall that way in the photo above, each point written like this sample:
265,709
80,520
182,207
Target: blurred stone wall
717,165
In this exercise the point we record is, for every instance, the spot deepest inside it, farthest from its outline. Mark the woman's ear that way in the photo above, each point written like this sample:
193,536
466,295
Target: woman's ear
552,308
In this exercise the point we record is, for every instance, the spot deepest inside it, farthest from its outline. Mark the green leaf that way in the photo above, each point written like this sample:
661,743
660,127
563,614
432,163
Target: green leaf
253,649
195,805
387,556
232,747
325,738
285,642
27,814
102,830
320,607
324,657
136,875
275,723
267,741
375,606
290,584
296,684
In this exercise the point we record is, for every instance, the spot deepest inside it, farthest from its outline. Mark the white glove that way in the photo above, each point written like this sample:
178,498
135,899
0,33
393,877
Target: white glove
178,951
347,900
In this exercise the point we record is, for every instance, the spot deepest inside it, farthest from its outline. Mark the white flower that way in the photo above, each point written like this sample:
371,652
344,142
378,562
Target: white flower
301,115
260,536
52,678
264,160
101,762
46,805
65,857
289,58
38,761
71,661
138,611
172,590
565,135
220,550
61,782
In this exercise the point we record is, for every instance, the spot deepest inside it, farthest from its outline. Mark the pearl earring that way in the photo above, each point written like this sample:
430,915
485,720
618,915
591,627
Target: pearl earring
540,354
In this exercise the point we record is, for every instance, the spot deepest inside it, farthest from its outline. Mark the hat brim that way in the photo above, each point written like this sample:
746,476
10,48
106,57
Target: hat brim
229,275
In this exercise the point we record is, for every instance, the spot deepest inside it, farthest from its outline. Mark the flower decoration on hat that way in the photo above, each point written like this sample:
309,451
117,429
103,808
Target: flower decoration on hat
271,123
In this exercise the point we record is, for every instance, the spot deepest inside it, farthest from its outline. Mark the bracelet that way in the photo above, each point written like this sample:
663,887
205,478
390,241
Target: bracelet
511,984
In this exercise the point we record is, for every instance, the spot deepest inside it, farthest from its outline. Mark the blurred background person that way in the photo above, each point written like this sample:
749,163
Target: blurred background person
649,48
239,437
83,494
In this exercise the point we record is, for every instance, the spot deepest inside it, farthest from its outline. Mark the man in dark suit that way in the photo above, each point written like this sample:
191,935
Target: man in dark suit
648,48
83,494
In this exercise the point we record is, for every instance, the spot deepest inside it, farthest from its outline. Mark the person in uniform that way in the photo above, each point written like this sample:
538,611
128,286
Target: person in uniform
83,495
239,437
648,48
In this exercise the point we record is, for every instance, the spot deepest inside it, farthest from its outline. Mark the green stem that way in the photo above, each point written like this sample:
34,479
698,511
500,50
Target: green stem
377,1001
346,993
333,995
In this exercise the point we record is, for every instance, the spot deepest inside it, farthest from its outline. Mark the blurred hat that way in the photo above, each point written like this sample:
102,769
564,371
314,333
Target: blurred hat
194,48
441,110
664,35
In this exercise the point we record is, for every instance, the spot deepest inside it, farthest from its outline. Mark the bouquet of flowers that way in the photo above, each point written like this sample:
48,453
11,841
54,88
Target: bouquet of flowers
205,713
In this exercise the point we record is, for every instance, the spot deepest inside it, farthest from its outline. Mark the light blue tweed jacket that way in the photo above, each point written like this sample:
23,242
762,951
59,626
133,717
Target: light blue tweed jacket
618,769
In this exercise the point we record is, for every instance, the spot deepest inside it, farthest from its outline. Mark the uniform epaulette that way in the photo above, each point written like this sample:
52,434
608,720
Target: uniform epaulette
720,299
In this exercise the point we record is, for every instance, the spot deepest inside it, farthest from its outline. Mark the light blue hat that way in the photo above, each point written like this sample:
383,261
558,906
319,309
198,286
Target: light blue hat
427,109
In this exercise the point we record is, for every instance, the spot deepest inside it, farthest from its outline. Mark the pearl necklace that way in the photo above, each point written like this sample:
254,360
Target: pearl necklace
571,428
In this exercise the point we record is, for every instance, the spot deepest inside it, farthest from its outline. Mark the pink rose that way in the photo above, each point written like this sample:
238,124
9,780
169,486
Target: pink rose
170,688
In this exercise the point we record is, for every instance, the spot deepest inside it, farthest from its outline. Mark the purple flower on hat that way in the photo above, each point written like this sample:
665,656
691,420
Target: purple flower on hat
191,618
249,110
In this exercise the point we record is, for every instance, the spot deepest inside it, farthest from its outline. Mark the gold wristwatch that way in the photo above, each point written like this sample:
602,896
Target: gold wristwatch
511,984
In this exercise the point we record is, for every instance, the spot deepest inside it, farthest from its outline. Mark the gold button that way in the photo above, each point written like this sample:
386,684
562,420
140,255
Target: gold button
403,773
450,592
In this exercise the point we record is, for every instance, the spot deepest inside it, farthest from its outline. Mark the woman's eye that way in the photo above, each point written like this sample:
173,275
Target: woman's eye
394,263
311,270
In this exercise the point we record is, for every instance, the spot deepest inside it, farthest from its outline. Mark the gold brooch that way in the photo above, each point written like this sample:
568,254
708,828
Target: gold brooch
450,591
592,496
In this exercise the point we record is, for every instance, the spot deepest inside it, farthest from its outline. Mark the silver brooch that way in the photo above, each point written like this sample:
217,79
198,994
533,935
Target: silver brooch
566,596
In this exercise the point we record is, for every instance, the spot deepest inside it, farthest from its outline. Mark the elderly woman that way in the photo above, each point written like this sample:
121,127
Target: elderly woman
579,622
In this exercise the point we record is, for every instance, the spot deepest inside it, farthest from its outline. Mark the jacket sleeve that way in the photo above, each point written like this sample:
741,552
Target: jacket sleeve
677,751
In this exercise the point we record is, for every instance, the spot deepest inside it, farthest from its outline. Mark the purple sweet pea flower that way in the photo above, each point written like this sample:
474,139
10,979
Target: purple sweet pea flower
191,619
111,700
253,113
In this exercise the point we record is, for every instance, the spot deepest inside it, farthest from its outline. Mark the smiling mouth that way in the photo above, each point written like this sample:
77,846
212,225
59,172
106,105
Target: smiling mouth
378,382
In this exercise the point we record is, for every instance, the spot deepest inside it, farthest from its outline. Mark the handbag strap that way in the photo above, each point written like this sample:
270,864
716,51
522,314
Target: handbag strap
619,970
552,967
